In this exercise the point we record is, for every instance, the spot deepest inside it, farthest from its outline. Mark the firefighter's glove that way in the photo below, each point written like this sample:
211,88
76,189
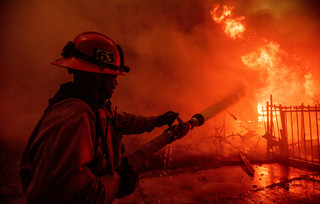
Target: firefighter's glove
166,119
178,131
129,179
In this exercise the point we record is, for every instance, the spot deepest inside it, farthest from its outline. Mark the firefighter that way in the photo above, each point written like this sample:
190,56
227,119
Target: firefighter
74,152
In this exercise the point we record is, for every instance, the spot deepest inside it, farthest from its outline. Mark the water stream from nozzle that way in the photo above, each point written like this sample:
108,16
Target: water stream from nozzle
138,157
222,104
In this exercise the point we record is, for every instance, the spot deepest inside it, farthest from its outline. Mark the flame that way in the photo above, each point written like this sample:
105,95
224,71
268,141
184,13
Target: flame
280,74
260,109
233,26
285,81
261,116
223,14
309,84
265,59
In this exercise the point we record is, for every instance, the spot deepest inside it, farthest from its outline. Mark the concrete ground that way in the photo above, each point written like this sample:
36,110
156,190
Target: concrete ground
271,183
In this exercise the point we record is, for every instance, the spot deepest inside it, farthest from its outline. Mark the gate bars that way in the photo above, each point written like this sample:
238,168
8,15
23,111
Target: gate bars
292,132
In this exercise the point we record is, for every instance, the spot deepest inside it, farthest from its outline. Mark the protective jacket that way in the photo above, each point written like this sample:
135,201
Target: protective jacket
74,150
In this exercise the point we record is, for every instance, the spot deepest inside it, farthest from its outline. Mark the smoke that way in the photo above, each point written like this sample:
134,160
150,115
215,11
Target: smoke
180,59
295,25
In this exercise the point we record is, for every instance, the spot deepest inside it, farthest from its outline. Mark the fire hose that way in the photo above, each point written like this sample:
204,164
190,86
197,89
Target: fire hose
162,140
138,158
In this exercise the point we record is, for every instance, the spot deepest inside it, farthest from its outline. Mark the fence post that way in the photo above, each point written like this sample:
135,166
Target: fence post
271,116
291,125
316,111
303,133
298,133
268,130
311,141
284,135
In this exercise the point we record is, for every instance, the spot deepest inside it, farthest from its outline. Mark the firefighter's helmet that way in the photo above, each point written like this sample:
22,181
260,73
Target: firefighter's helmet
93,52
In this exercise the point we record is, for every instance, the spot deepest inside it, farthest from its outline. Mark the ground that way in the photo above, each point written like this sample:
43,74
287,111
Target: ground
220,183
271,183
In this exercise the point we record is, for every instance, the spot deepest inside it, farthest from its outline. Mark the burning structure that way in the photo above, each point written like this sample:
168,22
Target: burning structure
288,80
185,57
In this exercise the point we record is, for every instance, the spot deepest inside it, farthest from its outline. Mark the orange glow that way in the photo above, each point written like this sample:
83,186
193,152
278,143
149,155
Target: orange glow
233,27
219,16
309,85
280,79
265,59
261,117
278,73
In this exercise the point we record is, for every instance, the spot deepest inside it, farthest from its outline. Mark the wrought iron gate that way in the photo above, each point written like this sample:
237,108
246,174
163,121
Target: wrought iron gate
292,132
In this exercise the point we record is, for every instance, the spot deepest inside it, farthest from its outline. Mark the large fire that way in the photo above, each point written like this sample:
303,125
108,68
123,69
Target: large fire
265,59
281,74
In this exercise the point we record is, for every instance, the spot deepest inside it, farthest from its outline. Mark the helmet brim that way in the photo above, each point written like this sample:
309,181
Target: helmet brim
82,65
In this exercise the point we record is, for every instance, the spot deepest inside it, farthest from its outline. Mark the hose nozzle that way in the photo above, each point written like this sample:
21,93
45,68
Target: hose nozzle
196,120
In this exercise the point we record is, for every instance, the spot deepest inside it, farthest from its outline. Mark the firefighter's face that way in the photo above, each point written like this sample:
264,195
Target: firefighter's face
109,83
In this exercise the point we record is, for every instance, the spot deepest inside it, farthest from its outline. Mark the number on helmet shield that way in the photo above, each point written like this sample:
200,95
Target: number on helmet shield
104,56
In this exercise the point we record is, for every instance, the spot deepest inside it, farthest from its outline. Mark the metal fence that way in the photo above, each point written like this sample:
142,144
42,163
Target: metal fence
292,132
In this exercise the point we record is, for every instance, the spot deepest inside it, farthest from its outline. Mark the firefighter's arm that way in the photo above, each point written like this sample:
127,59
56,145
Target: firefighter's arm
134,124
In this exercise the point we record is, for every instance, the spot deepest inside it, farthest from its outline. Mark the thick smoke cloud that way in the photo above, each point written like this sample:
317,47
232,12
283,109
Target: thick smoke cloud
180,59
